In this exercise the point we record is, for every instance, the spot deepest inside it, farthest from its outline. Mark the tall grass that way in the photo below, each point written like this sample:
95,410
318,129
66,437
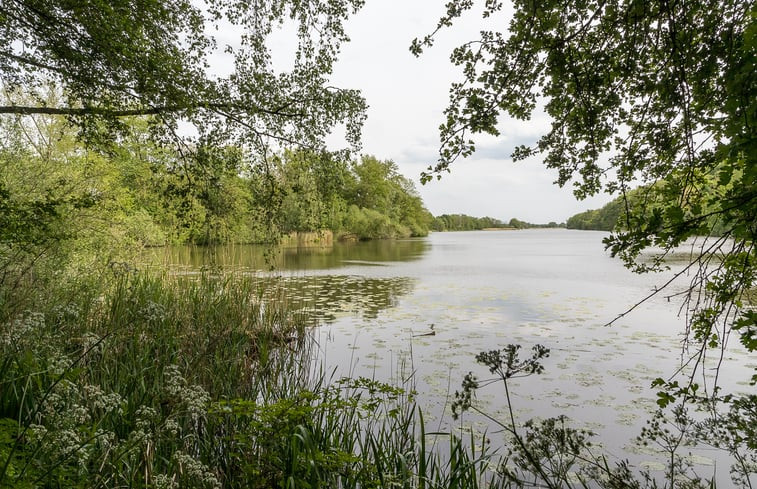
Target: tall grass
156,381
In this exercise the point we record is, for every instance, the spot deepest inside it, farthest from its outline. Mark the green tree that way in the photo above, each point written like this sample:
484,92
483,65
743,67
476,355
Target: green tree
302,208
39,192
373,188
517,224
407,207
603,219
586,220
658,95
380,188
152,57
334,181
63,207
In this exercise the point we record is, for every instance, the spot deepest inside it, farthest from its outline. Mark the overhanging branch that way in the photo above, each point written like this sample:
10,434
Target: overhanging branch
106,112
32,110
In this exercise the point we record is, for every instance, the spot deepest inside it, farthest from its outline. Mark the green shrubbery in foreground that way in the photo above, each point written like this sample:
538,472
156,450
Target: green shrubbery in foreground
205,382
170,382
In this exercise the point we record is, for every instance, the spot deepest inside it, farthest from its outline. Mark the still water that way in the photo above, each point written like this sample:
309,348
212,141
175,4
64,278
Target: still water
376,302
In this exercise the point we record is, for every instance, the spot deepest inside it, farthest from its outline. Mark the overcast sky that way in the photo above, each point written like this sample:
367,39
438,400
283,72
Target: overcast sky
407,96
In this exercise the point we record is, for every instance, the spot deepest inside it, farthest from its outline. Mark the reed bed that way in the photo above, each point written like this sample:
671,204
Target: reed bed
167,381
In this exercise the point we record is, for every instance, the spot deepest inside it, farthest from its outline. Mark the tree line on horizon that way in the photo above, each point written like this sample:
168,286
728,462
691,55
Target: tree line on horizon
464,222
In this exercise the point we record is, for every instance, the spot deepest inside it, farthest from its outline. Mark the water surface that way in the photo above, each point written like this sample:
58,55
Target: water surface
375,303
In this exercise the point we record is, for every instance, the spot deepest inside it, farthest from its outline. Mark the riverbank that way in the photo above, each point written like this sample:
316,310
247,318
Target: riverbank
211,378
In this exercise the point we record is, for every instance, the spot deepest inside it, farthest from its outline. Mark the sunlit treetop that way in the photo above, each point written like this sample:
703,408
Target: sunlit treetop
149,57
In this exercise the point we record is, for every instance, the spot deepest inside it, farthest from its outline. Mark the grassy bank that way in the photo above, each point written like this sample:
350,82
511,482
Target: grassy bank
145,381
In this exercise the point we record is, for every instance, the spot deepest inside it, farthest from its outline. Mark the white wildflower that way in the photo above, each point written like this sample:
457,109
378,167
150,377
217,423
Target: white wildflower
68,444
91,343
194,397
197,400
59,364
67,312
52,405
172,427
78,414
196,470
162,481
146,417
37,432
111,403
106,439
139,437
22,330
152,311
174,381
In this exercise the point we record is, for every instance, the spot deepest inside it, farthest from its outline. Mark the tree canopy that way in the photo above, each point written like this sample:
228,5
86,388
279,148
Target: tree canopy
150,57
655,85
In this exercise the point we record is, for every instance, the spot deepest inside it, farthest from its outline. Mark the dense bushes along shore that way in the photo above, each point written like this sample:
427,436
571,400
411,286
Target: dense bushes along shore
132,192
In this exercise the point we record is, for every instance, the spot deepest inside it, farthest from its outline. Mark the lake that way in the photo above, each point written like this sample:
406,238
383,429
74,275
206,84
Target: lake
375,302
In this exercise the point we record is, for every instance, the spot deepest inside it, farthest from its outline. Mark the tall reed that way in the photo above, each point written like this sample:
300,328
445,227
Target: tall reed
200,381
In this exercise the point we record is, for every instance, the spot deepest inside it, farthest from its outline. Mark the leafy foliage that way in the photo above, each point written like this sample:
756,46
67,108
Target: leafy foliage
153,58
603,219
368,198
136,193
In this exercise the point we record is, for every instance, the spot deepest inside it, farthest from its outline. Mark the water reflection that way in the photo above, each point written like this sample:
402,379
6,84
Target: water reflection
260,257
322,297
